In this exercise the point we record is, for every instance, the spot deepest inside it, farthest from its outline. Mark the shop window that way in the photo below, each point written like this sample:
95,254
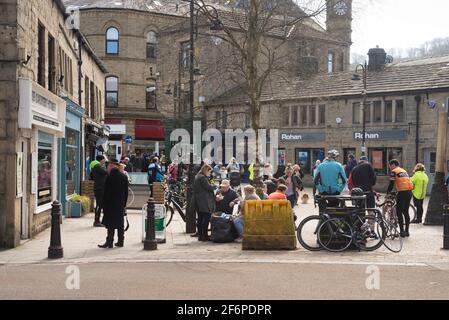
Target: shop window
151,45
322,115
356,113
399,111
71,162
151,97
45,167
112,41
377,111
380,157
346,153
306,158
388,111
112,92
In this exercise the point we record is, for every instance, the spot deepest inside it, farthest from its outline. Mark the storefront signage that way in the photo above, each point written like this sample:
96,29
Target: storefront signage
117,129
302,136
381,135
41,108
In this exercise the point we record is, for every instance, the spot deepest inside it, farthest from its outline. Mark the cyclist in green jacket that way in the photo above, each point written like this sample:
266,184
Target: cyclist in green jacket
420,181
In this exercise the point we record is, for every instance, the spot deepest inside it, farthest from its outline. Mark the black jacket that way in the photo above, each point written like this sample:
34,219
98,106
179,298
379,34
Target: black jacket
364,177
115,199
203,193
99,174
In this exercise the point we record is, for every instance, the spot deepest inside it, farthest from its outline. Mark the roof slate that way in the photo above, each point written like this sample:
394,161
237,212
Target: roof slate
416,77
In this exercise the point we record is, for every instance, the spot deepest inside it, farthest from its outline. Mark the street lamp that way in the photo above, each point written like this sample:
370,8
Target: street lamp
216,26
356,77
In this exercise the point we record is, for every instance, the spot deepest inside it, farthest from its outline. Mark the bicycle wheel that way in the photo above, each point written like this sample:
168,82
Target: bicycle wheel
412,212
335,235
307,233
131,197
392,239
368,233
170,213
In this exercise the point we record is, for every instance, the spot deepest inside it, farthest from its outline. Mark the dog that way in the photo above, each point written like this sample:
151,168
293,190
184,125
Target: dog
305,198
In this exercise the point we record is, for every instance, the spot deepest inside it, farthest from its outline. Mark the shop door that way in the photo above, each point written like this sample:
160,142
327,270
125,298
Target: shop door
430,157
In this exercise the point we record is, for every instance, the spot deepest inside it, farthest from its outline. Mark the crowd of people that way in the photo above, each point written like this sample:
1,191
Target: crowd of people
215,188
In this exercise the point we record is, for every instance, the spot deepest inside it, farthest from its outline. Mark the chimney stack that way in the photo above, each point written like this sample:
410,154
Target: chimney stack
377,58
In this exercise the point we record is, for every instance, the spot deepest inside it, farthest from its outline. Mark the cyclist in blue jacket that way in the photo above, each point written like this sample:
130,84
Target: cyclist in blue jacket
330,177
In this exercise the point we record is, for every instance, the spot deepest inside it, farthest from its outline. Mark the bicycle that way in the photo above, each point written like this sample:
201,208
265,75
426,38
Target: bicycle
355,227
334,215
393,240
390,200
175,200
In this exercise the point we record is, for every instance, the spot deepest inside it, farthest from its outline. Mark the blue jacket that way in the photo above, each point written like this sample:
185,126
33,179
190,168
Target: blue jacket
155,173
330,177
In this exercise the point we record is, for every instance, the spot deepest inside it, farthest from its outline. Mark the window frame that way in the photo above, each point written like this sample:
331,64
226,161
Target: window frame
111,91
151,45
108,40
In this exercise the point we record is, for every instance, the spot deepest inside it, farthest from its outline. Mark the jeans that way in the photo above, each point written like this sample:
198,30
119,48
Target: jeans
203,223
402,206
239,224
419,208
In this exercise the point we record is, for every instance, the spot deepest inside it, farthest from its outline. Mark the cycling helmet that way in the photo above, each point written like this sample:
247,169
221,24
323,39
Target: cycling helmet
357,192
333,154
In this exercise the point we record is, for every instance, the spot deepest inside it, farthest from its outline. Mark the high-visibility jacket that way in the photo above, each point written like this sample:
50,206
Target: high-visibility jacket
420,181
401,179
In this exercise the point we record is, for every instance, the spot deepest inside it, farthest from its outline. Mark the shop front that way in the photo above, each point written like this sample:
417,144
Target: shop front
43,114
116,148
304,148
70,155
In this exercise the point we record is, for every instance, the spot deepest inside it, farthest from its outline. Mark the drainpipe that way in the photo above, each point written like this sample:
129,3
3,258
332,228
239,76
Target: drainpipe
80,63
418,102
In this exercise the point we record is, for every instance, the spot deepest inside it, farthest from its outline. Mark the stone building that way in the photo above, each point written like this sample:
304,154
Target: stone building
145,45
324,113
51,91
125,35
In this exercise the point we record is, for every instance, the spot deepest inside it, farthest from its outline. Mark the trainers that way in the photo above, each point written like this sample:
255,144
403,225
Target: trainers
239,240
98,225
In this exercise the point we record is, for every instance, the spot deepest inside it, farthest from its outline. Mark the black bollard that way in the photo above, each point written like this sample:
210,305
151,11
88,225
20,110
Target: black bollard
150,237
55,251
446,227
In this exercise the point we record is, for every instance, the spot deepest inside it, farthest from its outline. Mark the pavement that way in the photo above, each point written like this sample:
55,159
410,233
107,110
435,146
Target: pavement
80,240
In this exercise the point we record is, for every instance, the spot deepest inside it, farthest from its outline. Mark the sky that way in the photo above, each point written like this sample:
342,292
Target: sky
398,23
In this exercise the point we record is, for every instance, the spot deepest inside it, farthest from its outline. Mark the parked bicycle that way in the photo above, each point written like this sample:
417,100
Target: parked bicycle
175,200
390,204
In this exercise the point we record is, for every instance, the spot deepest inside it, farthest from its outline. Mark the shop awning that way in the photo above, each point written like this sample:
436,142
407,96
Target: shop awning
150,130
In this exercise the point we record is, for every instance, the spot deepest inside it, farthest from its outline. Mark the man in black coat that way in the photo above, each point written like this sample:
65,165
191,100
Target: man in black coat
99,174
364,177
114,204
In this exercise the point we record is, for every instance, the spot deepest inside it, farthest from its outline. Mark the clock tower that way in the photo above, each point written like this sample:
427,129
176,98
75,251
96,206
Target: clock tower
339,19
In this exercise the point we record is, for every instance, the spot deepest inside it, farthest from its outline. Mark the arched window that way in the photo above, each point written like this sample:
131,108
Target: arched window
111,92
151,45
112,41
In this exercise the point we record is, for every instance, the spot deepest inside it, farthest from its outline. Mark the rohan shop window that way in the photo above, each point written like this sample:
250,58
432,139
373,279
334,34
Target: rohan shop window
112,41
306,158
380,157
45,166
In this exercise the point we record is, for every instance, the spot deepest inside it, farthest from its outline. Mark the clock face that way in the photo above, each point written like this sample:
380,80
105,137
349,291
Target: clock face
341,8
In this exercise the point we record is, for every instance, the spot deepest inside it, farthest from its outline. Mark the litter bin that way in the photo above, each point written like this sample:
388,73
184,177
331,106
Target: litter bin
160,216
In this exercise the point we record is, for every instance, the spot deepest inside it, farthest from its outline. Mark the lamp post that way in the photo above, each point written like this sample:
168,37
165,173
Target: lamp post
356,77
216,25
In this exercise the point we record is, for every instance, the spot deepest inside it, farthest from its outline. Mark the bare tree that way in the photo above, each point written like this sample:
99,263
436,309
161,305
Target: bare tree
255,46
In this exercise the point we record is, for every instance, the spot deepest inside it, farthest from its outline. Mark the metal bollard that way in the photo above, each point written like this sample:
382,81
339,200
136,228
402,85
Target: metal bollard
55,251
446,227
150,237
